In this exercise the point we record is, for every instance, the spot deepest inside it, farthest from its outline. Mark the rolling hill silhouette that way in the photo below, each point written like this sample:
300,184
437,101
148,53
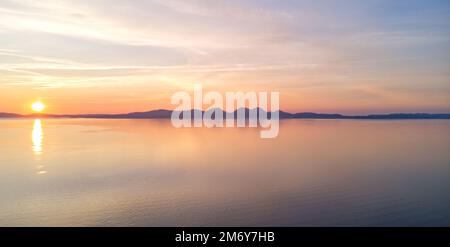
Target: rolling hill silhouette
161,114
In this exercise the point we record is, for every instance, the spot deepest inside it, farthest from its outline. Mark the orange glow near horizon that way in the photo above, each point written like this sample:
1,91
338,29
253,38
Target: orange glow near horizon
70,102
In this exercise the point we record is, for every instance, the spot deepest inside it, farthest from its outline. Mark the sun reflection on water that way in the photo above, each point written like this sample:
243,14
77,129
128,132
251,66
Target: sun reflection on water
37,137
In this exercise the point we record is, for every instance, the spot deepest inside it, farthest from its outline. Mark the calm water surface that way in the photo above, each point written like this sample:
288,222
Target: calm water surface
74,172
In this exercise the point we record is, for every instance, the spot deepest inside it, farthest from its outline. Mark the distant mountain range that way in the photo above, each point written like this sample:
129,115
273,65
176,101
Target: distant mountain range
283,115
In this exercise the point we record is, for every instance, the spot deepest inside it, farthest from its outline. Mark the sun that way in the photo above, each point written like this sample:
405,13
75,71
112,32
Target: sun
38,106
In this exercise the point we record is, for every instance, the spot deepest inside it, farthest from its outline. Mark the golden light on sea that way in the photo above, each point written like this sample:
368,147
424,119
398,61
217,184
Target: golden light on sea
37,137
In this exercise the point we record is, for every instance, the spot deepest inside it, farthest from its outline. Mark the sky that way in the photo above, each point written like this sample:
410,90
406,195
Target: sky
111,56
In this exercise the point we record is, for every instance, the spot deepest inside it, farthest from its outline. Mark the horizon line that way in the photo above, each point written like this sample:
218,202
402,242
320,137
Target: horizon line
282,114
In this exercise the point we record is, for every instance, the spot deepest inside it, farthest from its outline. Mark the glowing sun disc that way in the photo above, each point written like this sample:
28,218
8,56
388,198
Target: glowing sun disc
38,106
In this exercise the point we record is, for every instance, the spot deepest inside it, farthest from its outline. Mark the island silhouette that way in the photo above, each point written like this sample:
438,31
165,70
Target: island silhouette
162,114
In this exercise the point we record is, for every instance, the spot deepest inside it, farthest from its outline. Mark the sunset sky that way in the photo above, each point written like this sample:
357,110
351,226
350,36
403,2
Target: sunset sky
105,56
